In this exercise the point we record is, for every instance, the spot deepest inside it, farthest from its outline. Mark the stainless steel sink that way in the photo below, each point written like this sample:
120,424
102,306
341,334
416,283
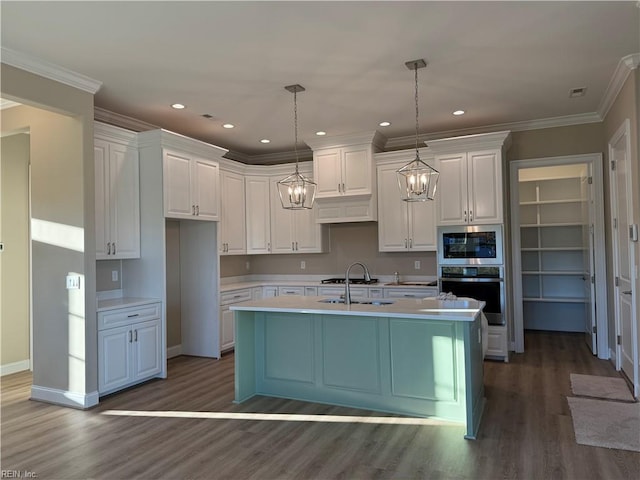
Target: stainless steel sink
374,301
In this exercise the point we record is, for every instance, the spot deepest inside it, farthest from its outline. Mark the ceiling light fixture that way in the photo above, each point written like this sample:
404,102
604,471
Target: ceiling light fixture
296,191
384,124
265,140
459,112
417,180
321,133
228,125
178,106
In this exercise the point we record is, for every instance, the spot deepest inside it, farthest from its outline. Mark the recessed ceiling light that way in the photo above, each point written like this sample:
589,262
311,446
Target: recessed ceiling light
178,106
228,125
321,133
265,140
459,112
384,124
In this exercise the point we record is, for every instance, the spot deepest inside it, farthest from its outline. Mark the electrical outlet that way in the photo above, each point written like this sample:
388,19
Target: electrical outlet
114,275
247,265
303,265
73,282
416,264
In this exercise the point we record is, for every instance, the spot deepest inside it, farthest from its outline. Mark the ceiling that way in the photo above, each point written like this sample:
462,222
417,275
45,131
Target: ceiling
504,63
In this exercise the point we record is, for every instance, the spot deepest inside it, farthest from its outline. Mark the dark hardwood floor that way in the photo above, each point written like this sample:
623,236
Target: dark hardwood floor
526,431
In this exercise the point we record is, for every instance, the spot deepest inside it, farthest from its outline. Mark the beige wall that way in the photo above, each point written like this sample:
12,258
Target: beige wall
14,314
103,275
626,105
62,177
556,142
349,242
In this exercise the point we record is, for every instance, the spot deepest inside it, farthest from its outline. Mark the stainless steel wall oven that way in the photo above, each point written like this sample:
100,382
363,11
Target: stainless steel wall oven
470,245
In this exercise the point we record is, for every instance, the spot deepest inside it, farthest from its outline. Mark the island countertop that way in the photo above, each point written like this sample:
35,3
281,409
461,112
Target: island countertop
415,308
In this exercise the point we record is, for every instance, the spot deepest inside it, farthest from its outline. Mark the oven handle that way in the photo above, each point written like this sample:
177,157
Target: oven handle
471,279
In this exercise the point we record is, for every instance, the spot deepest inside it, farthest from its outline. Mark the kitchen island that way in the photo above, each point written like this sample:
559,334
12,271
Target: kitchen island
415,357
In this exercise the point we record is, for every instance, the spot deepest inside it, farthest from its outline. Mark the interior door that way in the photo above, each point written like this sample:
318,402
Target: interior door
623,255
588,260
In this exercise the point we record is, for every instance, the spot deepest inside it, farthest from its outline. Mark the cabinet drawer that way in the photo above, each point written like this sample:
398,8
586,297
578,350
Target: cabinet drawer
291,291
126,316
410,293
337,291
228,298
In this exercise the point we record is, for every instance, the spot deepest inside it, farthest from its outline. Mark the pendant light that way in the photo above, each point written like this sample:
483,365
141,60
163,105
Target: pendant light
296,191
417,180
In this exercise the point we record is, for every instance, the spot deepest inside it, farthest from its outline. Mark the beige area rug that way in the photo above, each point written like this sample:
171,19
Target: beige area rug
608,388
608,424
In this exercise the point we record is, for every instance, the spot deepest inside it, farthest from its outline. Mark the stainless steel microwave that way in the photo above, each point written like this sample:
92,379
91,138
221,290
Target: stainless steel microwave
470,245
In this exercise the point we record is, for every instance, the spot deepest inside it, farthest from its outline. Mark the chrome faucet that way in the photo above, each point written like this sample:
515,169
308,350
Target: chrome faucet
347,291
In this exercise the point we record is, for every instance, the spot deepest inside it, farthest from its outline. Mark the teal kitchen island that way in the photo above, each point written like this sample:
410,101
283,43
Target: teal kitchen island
412,357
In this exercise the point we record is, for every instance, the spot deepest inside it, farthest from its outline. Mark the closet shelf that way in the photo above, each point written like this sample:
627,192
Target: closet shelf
536,225
554,202
552,249
552,272
555,299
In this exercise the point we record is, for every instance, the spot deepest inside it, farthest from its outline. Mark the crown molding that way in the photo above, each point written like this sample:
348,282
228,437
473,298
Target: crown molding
626,64
122,121
49,70
165,138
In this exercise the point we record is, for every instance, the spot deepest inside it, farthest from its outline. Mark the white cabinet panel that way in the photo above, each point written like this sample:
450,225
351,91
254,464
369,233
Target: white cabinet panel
232,227
258,214
117,196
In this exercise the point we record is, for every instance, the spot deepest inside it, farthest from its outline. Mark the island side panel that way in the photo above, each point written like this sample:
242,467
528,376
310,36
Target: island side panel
474,373
245,354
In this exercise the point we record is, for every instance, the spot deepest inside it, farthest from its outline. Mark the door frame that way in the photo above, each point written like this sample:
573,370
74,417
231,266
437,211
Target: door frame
595,159
623,131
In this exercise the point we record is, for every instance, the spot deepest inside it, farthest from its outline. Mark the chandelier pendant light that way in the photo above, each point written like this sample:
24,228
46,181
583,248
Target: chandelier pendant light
417,180
296,191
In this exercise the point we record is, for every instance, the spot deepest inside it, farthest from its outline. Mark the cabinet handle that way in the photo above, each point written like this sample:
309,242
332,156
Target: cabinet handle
293,246
405,243
135,335
133,315
343,189
197,209
296,246
339,189
627,292
470,216
129,336
108,248
114,248
465,216
411,243
193,209
269,247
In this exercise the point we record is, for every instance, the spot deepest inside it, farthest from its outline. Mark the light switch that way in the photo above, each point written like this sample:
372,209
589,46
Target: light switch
416,264
73,282
114,275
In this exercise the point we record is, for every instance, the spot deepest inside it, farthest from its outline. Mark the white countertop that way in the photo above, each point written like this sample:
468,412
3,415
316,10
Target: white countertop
123,302
426,309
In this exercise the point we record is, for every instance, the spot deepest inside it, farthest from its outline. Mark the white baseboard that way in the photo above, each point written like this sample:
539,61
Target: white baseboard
612,356
14,367
174,351
64,398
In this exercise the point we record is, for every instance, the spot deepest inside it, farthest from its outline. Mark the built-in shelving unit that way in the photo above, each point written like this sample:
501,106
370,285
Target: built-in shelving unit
554,245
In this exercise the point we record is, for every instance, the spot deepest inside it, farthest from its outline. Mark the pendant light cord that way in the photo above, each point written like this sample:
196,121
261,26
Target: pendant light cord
295,125
415,65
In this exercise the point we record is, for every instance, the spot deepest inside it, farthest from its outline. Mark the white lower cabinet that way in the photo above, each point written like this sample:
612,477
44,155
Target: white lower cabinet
497,345
129,353
396,292
227,324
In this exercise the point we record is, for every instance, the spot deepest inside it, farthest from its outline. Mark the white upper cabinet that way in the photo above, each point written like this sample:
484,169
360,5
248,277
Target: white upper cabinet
232,229
402,226
470,187
190,174
117,192
191,187
343,166
258,214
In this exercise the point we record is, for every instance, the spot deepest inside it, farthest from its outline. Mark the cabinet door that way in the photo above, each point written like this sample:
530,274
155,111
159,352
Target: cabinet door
177,186
452,189
484,170
392,213
232,215
422,226
357,169
114,358
146,345
327,172
227,333
258,215
101,161
281,224
124,202
206,189
307,233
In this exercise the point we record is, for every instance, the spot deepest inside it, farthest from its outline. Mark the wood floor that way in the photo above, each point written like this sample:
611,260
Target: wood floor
526,431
